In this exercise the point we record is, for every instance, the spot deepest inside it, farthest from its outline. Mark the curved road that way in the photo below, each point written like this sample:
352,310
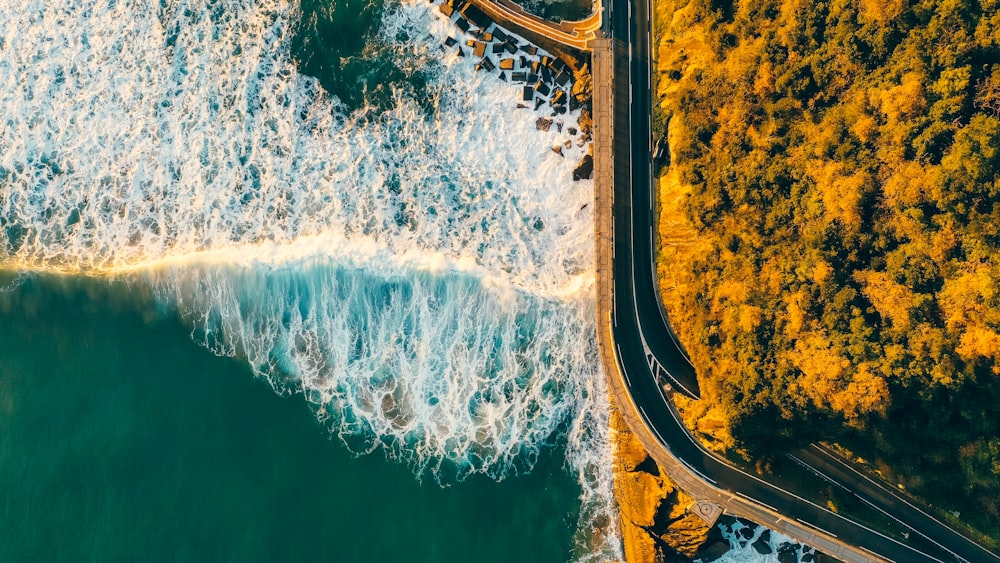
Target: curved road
645,349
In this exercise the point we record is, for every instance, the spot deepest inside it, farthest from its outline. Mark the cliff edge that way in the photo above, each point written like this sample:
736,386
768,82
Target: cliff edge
655,523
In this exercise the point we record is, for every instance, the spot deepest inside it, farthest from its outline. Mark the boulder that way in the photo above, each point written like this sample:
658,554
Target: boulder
654,521
788,553
714,550
762,544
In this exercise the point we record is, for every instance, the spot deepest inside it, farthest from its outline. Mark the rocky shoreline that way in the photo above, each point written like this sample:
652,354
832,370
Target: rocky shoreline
655,523
553,85
657,527
654,520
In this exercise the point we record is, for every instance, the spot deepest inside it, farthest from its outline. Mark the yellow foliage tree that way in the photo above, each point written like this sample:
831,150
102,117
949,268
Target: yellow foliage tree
892,300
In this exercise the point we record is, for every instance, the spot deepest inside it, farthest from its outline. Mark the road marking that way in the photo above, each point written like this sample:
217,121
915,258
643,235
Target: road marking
755,501
817,472
902,499
777,488
871,504
817,527
624,372
663,442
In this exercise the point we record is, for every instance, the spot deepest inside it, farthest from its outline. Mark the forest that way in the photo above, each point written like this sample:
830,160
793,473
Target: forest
829,222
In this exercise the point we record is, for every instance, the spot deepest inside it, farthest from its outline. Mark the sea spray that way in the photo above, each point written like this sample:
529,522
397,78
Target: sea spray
421,273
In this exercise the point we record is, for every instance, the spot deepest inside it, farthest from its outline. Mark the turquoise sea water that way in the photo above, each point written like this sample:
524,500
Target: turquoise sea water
122,440
350,316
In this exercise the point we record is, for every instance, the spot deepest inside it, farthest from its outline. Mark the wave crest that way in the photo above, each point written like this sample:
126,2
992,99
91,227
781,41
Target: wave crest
421,274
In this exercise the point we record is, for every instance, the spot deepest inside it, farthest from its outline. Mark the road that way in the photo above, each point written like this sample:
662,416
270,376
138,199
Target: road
575,34
646,349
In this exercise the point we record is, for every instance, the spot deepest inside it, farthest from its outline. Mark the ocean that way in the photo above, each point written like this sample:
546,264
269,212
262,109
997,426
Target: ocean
392,266
285,281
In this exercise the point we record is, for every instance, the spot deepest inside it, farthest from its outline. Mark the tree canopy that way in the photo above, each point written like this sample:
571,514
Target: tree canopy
839,165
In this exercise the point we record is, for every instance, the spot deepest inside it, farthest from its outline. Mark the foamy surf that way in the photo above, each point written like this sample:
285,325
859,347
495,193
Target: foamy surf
423,278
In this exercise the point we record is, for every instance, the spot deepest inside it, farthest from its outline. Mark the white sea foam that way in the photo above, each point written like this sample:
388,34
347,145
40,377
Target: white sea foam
742,550
424,281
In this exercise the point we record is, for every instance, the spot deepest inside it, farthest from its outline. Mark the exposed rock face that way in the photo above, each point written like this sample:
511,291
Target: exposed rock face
584,169
543,123
761,544
656,526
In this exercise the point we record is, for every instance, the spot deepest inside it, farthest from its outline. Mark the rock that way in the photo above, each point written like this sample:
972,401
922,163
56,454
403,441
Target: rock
558,97
583,88
654,521
761,544
586,121
715,550
571,130
558,150
543,123
787,553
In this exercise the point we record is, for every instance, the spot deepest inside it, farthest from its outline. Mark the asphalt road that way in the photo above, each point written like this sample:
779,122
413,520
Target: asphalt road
646,347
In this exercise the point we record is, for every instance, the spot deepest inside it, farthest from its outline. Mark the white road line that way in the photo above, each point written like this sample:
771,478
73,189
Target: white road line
902,499
755,501
815,471
789,493
696,472
871,504
674,415
816,527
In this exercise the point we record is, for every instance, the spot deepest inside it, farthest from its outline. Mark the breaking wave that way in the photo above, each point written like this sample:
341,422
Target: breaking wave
423,274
